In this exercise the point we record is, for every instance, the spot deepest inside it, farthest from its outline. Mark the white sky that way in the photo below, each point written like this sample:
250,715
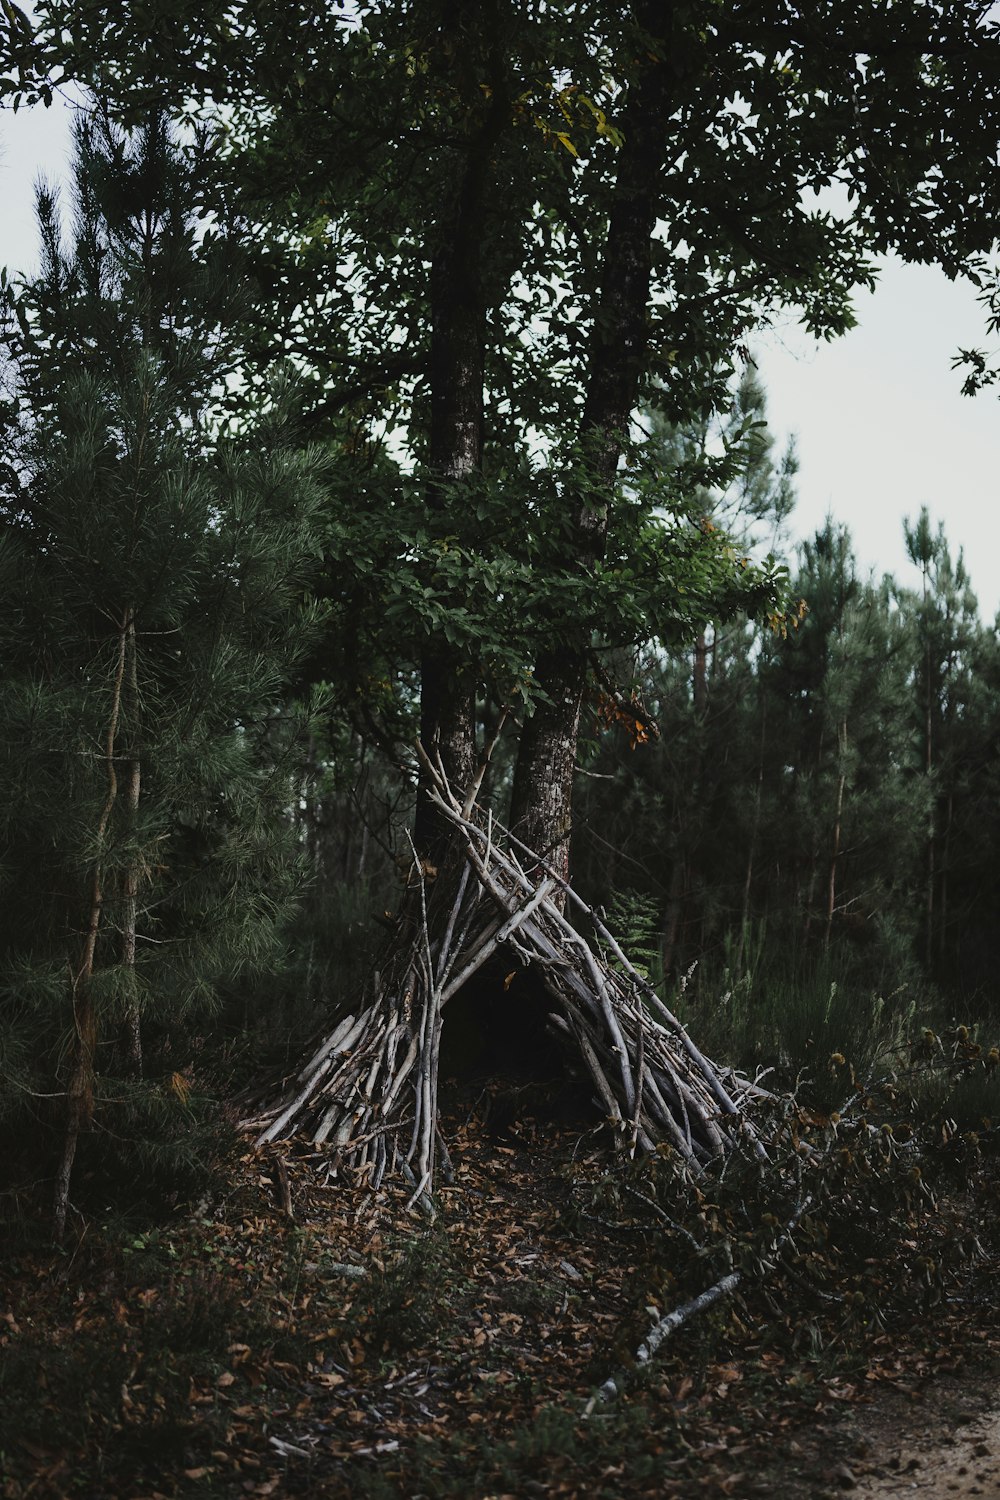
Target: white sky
883,427
881,423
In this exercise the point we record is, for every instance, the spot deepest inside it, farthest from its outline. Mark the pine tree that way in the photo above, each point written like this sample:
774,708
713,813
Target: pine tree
970,939
841,758
945,640
685,798
154,576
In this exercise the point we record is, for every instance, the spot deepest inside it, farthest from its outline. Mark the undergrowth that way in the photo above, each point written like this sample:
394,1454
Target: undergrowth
456,1358
845,1223
411,1295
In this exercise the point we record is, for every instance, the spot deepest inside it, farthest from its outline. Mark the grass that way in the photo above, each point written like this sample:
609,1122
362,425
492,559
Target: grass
802,1027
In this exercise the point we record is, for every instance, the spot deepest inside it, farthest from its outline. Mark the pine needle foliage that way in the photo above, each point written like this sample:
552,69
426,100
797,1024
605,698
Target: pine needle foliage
153,585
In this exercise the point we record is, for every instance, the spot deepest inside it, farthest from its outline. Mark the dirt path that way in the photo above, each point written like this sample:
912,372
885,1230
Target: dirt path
943,1440
950,1449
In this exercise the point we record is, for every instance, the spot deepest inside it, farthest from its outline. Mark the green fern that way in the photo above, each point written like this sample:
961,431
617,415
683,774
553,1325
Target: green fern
634,918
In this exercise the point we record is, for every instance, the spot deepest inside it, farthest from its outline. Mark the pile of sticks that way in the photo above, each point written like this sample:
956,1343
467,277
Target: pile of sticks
369,1092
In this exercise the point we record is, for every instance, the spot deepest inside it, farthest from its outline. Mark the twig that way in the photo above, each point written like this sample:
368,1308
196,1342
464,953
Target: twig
285,1188
665,1218
344,1268
371,1089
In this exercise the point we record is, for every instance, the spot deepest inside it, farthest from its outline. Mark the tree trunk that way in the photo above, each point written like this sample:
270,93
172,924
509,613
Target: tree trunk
80,1090
447,680
674,914
815,852
929,748
752,849
541,807
541,801
831,884
700,679
133,783
943,875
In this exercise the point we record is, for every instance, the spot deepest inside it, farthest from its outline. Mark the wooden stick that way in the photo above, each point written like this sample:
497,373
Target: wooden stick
374,1084
452,918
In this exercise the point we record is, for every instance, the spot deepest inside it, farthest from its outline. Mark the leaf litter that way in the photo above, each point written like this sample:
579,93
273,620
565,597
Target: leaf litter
302,1336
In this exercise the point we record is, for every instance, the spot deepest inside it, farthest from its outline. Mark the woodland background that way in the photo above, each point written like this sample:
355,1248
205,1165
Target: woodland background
791,822
389,375
230,602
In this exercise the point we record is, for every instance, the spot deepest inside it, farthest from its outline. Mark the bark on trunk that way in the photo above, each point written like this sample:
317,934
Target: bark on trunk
741,953
674,914
929,771
448,685
541,801
943,875
814,855
133,783
700,680
447,721
541,808
838,816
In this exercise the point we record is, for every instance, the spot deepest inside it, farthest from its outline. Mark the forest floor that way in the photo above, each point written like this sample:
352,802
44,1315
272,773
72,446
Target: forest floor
302,1338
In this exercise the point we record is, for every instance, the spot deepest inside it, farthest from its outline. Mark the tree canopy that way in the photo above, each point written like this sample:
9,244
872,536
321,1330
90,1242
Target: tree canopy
485,233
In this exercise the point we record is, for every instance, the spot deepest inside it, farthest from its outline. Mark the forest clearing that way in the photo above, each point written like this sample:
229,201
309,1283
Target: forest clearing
498,950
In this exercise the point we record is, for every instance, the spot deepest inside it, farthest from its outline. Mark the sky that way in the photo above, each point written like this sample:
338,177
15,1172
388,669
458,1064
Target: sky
883,428
880,422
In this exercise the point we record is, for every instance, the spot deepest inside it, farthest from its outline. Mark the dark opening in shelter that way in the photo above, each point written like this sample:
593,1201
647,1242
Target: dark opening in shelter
499,1052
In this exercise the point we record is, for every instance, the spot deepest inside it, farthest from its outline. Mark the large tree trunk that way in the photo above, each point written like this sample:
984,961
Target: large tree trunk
447,696
448,680
541,801
541,810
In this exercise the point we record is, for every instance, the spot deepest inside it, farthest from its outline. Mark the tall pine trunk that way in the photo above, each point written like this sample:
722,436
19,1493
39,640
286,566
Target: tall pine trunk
674,913
838,818
133,784
745,907
86,1022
